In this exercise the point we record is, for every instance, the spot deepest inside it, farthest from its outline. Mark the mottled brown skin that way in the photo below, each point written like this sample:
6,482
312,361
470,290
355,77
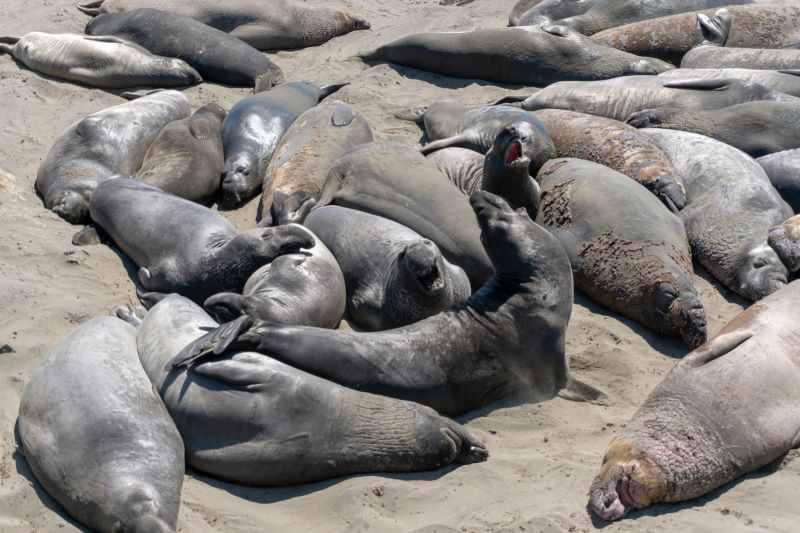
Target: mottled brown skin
617,146
785,240
727,409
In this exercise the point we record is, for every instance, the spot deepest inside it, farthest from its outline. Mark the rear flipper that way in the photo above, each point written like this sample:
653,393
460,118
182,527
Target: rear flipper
7,43
462,141
91,234
415,114
577,391
134,318
290,209
91,8
512,99
149,299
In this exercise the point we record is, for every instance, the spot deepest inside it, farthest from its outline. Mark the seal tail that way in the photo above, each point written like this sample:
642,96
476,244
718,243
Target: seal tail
91,8
577,391
7,43
415,114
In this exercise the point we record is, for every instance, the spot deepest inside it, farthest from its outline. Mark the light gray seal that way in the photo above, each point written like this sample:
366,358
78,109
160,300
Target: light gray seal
393,276
784,81
98,437
549,11
108,142
783,169
253,420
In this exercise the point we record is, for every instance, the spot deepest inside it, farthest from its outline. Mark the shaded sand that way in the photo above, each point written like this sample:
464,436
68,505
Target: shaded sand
543,457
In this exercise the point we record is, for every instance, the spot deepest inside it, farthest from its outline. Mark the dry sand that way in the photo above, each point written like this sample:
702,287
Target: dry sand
543,456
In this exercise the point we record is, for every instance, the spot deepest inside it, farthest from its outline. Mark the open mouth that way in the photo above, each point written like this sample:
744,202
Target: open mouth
623,492
431,281
514,155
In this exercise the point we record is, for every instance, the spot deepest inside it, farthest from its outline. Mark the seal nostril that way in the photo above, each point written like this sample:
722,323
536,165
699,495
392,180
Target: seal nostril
609,501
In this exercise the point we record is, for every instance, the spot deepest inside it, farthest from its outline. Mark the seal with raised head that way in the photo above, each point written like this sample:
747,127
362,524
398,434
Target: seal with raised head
729,238
110,142
783,169
632,258
303,288
529,55
107,62
554,10
617,146
199,257
393,276
784,81
98,437
726,409
217,56
507,339
785,240
186,158
252,130
263,24
251,419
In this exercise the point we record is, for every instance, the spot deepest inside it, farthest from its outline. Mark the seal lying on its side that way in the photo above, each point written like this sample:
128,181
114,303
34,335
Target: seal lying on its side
251,419
509,337
554,10
785,240
108,142
104,61
784,81
728,408
783,169
97,436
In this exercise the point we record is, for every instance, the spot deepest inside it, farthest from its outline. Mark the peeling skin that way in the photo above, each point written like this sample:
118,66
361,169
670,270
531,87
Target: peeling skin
555,205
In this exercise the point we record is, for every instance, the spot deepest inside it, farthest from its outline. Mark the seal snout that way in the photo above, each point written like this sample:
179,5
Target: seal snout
469,450
785,240
695,332
423,261
72,207
234,183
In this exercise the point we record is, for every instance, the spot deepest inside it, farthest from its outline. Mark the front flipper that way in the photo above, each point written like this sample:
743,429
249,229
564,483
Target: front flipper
149,299
717,347
463,140
134,318
341,114
577,391
91,234
7,44
242,370
700,84
218,341
225,306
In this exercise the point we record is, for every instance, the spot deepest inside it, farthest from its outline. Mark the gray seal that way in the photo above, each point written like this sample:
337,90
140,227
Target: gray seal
784,81
98,437
108,142
519,9
783,169
729,238
631,257
252,130
393,276
464,167
106,62
527,55
304,288
785,240
186,157
217,56
263,24
726,409
507,339
549,11
253,420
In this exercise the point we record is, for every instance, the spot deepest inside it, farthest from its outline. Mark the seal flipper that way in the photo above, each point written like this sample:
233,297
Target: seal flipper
462,140
91,234
578,391
791,72
342,114
717,347
327,90
225,306
415,114
134,318
91,8
700,84
149,299
511,99
713,31
7,44
215,342
240,372
290,209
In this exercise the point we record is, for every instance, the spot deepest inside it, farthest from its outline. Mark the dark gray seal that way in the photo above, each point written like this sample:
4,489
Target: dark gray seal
785,240
251,419
263,24
186,157
783,169
729,238
631,257
527,55
463,166
393,276
108,142
97,436
554,10
304,288
252,130
726,409
507,338
216,55
784,81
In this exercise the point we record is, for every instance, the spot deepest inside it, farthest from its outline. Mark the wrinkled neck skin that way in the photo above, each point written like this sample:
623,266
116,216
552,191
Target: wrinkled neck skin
511,182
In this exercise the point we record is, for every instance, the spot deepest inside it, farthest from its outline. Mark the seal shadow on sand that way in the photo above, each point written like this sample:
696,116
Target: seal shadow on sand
441,81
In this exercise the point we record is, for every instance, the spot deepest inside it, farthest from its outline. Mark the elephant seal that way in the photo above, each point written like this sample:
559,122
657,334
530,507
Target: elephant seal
463,166
186,157
252,130
617,146
507,338
106,62
304,288
308,149
519,9
202,256
785,240
550,11
783,169
726,409
253,420
393,276
217,56
784,81
263,24
729,238
669,38
526,55
756,128
395,181
633,258
108,142
620,97
97,436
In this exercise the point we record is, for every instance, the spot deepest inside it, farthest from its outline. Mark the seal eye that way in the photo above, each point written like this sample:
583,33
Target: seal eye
759,262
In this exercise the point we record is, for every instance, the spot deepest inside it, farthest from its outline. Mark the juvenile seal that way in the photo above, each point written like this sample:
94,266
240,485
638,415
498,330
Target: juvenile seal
105,61
186,157
216,55
202,256
303,288
253,420
108,142
729,238
631,257
783,169
784,81
785,240
617,146
726,409
393,276
263,24
549,11
252,130
464,167
507,338
526,55
97,436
